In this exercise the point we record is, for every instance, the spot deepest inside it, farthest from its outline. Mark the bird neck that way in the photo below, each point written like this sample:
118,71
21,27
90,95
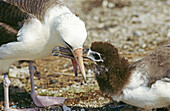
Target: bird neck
114,73
53,13
52,21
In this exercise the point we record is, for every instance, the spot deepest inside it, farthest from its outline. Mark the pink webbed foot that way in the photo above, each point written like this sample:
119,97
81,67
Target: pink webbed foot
44,101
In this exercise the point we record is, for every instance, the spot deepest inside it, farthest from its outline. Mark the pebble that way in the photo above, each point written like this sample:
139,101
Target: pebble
101,98
14,106
147,23
141,50
144,45
101,25
168,2
53,81
168,34
65,108
136,20
89,72
94,34
96,18
125,47
137,33
21,73
83,109
104,3
111,5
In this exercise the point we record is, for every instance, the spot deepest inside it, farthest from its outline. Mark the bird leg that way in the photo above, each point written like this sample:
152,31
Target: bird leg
42,101
6,83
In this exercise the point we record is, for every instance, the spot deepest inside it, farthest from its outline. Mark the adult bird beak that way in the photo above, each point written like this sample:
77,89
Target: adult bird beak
78,53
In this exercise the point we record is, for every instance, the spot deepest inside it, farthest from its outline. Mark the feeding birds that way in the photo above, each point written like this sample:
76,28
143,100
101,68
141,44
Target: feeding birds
144,83
29,30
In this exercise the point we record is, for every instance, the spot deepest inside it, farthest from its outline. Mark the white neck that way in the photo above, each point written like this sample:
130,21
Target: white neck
55,12
51,20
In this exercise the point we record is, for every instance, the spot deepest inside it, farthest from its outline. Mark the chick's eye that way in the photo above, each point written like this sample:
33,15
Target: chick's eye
96,56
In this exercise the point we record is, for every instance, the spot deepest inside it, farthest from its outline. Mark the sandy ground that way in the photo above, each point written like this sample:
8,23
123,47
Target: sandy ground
136,27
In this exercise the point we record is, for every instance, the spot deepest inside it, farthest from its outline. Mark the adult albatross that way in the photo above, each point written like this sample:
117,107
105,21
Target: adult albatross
29,30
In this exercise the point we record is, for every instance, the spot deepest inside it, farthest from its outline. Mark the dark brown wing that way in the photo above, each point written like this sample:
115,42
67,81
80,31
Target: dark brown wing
7,33
35,8
11,20
11,15
157,64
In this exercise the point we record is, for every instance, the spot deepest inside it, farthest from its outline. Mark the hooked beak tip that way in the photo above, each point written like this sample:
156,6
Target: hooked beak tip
79,59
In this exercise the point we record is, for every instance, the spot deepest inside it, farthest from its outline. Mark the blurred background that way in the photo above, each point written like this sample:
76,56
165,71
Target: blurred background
135,27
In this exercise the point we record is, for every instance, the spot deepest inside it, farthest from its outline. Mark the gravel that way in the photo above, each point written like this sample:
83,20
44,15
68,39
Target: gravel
135,27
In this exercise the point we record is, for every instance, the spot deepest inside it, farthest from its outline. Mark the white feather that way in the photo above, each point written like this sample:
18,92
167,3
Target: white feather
36,39
155,97
137,93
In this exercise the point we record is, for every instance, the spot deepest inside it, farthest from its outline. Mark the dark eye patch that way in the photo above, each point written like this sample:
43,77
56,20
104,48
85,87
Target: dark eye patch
96,56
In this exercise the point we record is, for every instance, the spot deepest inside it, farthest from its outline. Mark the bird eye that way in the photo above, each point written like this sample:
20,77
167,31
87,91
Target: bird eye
96,56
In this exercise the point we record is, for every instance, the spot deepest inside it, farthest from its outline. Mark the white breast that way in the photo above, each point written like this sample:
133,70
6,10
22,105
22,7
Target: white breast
137,92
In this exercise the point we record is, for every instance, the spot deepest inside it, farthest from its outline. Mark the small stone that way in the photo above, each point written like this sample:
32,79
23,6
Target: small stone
65,108
45,69
144,45
137,33
14,106
141,50
168,2
101,25
96,18
154,42
83,109
53,81
104,3
94,34
65,65
136,20
111,5
101,98
125,46
89,72
43,90
168,34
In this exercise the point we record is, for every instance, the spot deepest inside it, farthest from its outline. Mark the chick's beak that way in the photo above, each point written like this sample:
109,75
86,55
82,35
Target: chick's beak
79,59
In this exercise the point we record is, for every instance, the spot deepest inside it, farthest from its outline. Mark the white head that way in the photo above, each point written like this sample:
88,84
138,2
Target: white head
73,34
72,30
